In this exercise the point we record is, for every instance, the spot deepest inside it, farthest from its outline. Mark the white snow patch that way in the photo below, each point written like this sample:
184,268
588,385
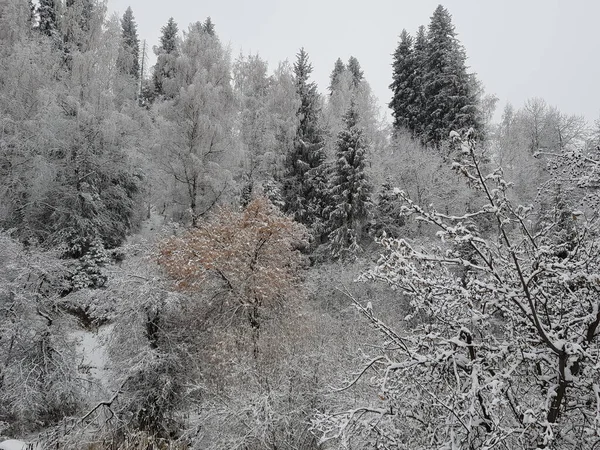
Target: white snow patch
92,346
14,444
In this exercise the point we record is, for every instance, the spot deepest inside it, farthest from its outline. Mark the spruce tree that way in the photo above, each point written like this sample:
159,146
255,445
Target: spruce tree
166,55
47,17
305,185
334,78
417,106
388,212
131,45
209,26
404,90
355,70
168,39
451,103
349,190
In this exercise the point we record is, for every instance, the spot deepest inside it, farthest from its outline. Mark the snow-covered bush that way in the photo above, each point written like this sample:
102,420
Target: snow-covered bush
39,382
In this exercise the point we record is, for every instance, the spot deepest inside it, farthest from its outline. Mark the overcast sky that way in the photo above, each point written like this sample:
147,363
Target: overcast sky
518,48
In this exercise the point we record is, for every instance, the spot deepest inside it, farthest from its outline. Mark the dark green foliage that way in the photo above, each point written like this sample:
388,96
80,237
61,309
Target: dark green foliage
405,92
449,91
338,69
305,184
90,271
388,212
47,17
355,70
209,26
349,190
432,92
417,109
129,60
168,39
86,191
166,56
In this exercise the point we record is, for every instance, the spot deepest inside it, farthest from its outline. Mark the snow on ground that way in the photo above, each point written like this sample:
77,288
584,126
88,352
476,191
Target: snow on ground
92,346
13,444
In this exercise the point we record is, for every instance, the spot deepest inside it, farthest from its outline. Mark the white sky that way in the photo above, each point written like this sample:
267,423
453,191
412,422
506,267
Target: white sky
518,48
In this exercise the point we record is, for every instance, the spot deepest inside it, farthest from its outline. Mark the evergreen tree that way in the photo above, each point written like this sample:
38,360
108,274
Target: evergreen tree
129,62
451,103
47,17
350,190
334,78
166,53
168,39
305,186
404,90
417,107
388,213
209,26
355,70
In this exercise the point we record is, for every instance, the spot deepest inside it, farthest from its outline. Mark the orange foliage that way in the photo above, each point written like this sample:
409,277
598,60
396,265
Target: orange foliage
251,256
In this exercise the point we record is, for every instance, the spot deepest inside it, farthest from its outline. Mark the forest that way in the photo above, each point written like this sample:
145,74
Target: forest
209,254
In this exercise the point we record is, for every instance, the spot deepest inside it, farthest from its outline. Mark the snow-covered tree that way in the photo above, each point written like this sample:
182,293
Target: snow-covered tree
500,349
450,99
405,93
194,129
209,26
305,184
432,92
354,68
350,190
349,89
40,383
166,54
129,57
338,69
256,125
48,17
68,179
81,25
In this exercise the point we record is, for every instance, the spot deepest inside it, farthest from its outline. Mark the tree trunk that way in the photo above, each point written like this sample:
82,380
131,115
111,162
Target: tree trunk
253,317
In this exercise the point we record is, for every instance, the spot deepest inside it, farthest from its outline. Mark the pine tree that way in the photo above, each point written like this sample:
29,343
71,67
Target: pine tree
47,17
334,78
404,90
451,103
130,64
305,185
350,190
355,70
166,56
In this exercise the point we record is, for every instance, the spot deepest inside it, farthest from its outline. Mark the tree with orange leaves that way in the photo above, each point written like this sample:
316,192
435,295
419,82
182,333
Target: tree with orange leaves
248,259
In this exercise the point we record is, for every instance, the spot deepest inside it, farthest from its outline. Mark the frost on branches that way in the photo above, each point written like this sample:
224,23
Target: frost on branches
246,259
500,349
